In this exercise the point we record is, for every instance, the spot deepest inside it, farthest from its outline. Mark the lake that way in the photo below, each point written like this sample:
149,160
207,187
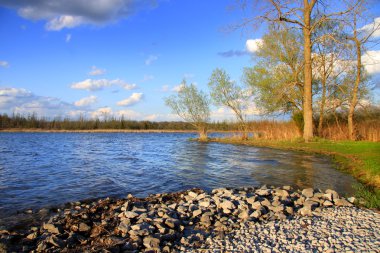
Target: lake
47,169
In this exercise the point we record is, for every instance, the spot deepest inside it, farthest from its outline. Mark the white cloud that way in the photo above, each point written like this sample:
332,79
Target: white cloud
72,13
151,59
161,117
253,45
107,112
86,101
147,78
128,114
96,71
102,113
371,62
93,85
64,21
165,88
225,113
4,64
178,87
17,100
68,37
133,99
374,26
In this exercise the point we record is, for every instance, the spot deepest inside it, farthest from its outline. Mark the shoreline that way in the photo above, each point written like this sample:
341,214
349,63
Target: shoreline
192,220
360,159
38,130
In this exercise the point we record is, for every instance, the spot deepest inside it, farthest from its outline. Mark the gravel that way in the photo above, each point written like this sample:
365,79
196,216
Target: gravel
265,219
339,229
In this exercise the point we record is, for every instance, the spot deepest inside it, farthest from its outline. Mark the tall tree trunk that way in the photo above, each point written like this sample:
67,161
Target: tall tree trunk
354,97
307,89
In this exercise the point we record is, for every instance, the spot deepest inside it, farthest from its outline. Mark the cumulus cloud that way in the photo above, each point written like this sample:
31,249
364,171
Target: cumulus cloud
232,53
17,100
4,64
72,13
252,45
369,28
86,101
133,99
371,62
94,85
151,59
96,71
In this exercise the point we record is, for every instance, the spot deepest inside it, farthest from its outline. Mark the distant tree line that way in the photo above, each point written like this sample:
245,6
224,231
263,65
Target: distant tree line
33,121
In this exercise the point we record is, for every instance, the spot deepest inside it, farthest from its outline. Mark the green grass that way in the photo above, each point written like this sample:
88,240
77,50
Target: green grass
359,158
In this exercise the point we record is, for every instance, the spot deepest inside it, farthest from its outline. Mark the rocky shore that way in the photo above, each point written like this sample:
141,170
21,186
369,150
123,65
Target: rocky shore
265,219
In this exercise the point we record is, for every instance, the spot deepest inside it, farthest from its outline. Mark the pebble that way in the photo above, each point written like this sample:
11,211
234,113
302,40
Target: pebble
265,219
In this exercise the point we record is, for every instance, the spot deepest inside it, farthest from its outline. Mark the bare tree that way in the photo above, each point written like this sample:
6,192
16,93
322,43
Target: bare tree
193,106
330,65
227,93
359,38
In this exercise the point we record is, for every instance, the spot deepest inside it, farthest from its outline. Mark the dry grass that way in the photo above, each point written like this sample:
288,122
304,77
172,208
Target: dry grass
274,130
368,130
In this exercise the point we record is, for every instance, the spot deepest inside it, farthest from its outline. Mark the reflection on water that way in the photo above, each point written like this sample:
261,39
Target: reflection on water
42,169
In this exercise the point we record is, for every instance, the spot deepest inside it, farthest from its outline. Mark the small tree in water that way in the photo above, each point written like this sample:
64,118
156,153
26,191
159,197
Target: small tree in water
193,106
225,92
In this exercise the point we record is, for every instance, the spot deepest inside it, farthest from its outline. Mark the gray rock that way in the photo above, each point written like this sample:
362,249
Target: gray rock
151,242
305,211
263,192
289,210
256,205
51,228
172,223
55,241
278,209
226,204
192,194
256,214
251,200
334,194
197,212
281,193
83,227
342,202
308,192
204,204
311,204
244,215
130,214
31,236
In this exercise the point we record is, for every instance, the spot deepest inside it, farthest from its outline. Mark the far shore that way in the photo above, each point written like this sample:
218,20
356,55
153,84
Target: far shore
38,130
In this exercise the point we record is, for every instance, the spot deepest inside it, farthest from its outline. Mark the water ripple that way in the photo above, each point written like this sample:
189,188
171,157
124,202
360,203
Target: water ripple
44,169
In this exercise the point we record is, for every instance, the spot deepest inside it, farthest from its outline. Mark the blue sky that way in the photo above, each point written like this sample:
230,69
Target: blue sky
114,57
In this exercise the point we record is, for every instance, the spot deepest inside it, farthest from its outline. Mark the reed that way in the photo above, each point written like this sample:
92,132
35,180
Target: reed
274,130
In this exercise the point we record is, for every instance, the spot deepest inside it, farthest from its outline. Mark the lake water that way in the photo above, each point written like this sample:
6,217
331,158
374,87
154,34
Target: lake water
46,169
